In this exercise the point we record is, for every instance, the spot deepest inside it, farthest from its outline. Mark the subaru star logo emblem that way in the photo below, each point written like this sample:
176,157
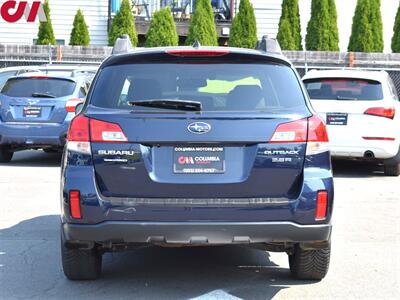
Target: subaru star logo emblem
199,127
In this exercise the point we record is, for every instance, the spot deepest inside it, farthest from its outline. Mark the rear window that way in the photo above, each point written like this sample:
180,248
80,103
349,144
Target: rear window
344,89
219,87
28,87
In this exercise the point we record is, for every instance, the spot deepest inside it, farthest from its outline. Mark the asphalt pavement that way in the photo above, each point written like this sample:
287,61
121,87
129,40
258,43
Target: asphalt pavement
365,262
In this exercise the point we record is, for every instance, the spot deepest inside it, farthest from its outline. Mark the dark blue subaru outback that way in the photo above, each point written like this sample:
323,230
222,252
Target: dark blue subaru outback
192,146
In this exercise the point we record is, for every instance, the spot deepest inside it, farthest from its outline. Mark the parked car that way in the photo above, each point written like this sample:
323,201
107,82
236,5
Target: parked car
35,112
196,146
6,73
361,109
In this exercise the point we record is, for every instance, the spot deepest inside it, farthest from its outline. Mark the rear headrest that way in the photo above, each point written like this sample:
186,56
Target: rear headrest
371,92
144,89
244,97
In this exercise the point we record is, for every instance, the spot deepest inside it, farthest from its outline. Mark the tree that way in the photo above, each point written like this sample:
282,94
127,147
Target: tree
290,21
202,27
80,33
361,39
46,32
123,23
396,33
244,27
285,36
162,31
376,25
334,31
318,36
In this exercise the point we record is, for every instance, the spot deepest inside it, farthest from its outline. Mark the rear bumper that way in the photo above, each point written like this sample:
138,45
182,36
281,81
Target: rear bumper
192,233
29,135
380,149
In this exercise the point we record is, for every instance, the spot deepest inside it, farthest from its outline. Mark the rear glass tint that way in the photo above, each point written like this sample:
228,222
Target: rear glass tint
219,87
28,87
344,89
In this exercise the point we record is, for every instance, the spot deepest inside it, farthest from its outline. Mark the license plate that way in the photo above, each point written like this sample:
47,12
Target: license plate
199,160
32,112
336,119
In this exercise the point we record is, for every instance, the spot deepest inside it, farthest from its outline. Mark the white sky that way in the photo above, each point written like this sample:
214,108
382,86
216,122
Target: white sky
346,10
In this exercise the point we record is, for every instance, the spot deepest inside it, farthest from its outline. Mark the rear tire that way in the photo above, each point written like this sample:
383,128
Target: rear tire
309,264
81,264
5,155
392,169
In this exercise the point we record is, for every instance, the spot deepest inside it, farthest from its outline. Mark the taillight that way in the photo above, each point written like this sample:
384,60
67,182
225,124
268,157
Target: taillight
317,139
71,104
292,132
78,135
321,205
101,131
197,52
386,112
83,130
75,204
311,130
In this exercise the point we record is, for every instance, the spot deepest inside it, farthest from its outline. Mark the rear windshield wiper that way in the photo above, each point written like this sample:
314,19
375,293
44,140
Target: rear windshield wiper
345,98
185,105
43,95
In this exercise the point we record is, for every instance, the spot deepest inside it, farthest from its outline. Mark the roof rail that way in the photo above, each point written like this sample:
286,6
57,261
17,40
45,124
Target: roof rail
122,45
269,45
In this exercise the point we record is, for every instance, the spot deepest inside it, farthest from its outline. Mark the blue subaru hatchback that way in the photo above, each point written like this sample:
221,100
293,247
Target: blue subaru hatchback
193,146
35,111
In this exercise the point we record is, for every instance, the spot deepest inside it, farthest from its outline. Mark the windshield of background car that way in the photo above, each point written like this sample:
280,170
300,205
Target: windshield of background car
266,88
344,89
26,87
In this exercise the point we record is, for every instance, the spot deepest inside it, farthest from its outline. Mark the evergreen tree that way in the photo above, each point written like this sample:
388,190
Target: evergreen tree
162,31
318,36
46,32
361,39
396,33
123,23
244,27
376,25
334,31
202,27
80,33
285,36
290,17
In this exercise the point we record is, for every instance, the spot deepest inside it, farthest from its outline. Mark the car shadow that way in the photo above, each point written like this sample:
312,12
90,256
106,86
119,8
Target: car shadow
30,267
356,169
34,158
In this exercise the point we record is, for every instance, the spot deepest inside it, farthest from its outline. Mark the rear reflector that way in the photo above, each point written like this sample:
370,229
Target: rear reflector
101,131
74,204
386,112
322,205
292,132
71,104
372,138
196,53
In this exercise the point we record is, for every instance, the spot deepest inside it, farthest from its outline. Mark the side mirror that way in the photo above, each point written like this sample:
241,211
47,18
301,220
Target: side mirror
78,108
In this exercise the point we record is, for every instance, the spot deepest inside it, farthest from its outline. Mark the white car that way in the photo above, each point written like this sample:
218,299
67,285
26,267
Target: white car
362,113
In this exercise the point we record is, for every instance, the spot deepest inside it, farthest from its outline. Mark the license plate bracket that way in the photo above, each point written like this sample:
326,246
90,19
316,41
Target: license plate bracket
198,160
32,112
336,119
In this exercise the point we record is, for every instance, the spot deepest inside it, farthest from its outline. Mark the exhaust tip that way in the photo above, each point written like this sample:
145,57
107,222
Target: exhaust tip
369,154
